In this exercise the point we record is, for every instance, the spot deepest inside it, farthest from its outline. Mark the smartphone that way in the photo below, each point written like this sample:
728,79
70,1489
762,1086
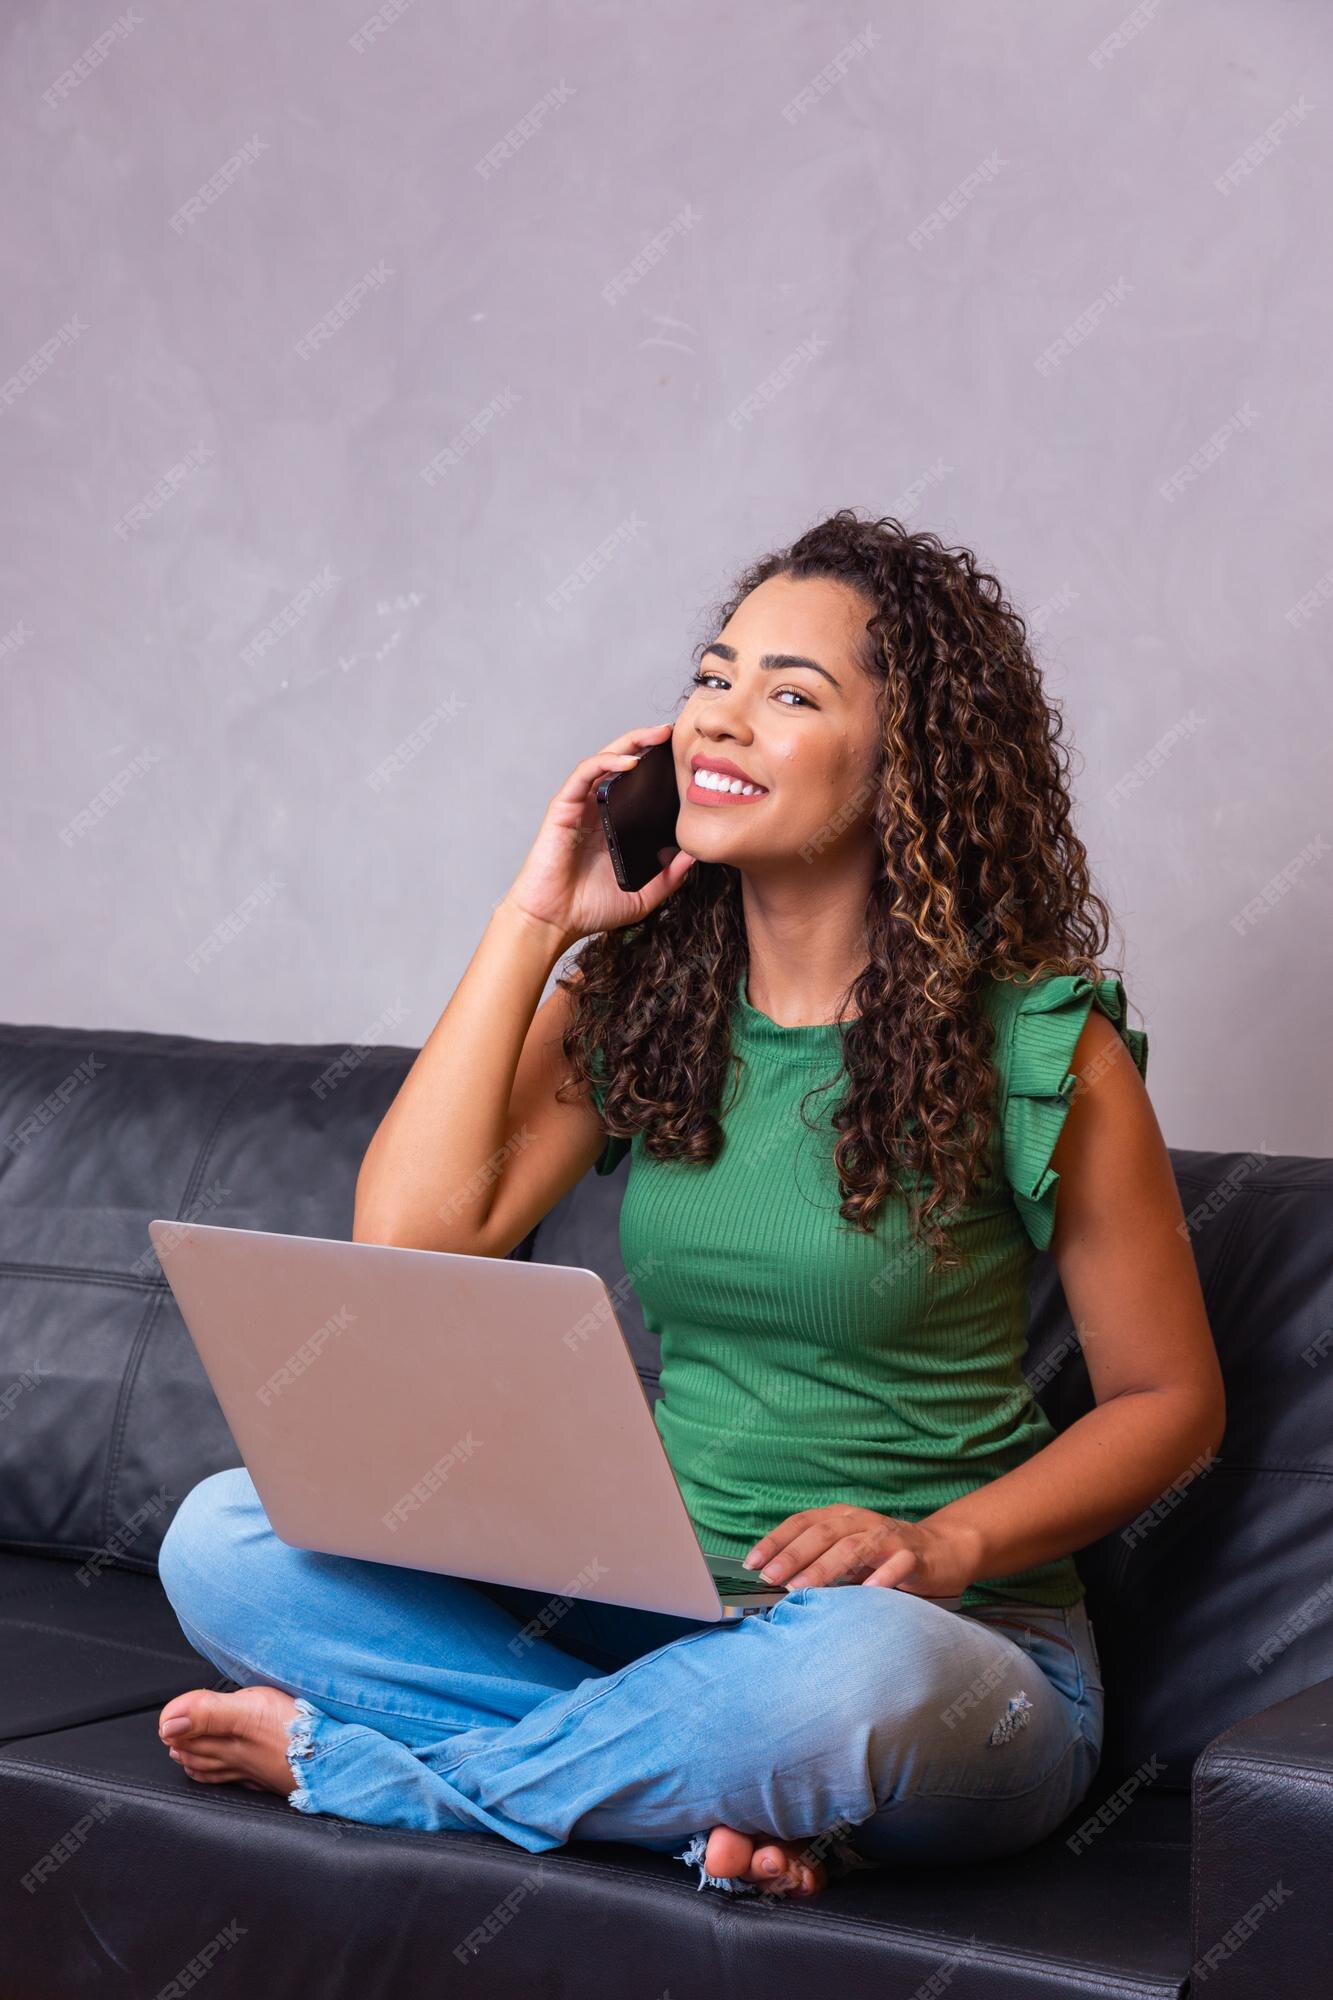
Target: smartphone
639,810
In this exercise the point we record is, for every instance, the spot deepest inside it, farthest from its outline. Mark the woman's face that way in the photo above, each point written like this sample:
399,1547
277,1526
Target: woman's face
781,699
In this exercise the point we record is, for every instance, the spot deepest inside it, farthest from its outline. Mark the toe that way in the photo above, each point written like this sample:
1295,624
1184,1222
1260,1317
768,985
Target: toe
728,1852
782,1866
772,1867
176,1720
188,1715
200,1760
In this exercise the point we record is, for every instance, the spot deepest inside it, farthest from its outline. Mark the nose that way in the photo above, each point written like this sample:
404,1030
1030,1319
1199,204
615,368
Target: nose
724,720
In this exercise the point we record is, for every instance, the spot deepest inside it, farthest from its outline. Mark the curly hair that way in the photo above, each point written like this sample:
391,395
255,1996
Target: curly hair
981,876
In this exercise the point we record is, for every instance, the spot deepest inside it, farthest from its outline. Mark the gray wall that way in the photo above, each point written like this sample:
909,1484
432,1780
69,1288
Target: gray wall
1010,278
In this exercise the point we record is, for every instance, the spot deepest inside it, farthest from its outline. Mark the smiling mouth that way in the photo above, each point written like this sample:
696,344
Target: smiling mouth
710,788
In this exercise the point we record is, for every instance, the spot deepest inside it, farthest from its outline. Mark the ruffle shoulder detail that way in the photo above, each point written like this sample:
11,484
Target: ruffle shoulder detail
1047,1020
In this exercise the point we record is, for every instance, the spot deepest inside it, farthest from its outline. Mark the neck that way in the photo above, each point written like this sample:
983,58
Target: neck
806,941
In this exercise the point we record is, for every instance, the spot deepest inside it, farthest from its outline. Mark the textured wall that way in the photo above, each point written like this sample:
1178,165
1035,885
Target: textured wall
314,399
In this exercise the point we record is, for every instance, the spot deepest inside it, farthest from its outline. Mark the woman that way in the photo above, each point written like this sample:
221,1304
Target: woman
854,1038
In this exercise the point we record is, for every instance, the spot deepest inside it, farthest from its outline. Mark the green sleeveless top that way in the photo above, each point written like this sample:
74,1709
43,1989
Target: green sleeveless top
803,1364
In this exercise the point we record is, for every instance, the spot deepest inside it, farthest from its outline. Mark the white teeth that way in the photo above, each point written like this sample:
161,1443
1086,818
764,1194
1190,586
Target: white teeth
714,781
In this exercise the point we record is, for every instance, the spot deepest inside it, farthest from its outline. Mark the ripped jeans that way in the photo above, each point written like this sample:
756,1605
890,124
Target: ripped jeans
868,1722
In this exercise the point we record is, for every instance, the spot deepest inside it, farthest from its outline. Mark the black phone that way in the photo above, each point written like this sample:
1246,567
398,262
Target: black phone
639,810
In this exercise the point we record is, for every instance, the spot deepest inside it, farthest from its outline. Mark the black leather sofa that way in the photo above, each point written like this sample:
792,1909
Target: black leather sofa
1199,1862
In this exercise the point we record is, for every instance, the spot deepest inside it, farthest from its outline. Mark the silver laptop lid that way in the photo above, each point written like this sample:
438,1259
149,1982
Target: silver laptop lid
478,1416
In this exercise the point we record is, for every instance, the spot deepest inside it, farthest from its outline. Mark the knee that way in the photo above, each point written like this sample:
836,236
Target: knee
201,1536
888,1653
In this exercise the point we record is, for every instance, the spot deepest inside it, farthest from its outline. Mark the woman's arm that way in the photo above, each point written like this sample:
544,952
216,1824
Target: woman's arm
1122,1249
430,1174
475,1149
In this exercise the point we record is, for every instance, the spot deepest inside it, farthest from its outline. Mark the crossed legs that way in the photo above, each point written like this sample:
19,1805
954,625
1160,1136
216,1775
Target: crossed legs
421,1701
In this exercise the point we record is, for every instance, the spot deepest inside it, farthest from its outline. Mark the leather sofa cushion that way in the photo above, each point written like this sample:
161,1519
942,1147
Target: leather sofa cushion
596,1920
73,1650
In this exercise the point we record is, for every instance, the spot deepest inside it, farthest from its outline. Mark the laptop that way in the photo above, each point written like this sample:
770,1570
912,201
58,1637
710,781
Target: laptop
480,1417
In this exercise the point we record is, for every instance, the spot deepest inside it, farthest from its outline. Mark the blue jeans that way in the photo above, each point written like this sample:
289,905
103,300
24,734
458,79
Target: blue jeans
873,1724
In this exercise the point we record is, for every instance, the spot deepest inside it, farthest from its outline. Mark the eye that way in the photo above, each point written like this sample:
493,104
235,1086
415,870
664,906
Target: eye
698,680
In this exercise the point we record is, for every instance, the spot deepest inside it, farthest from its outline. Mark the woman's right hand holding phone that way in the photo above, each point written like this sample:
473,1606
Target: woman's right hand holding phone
568,880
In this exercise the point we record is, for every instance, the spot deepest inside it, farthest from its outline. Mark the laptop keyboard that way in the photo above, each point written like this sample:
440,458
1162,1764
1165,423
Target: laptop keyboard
736,1581
733,1580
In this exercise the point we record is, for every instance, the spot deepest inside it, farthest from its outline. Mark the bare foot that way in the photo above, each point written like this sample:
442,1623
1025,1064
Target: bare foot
236,1738
779,1865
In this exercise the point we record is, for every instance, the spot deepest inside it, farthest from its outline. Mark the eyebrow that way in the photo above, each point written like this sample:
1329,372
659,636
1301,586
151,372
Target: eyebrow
783,662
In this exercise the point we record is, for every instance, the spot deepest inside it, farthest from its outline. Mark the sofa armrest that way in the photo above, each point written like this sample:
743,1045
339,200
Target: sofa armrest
1261,1869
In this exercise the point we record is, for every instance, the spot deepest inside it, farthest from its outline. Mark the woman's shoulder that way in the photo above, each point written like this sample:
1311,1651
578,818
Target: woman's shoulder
1038,1022
1040,1017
